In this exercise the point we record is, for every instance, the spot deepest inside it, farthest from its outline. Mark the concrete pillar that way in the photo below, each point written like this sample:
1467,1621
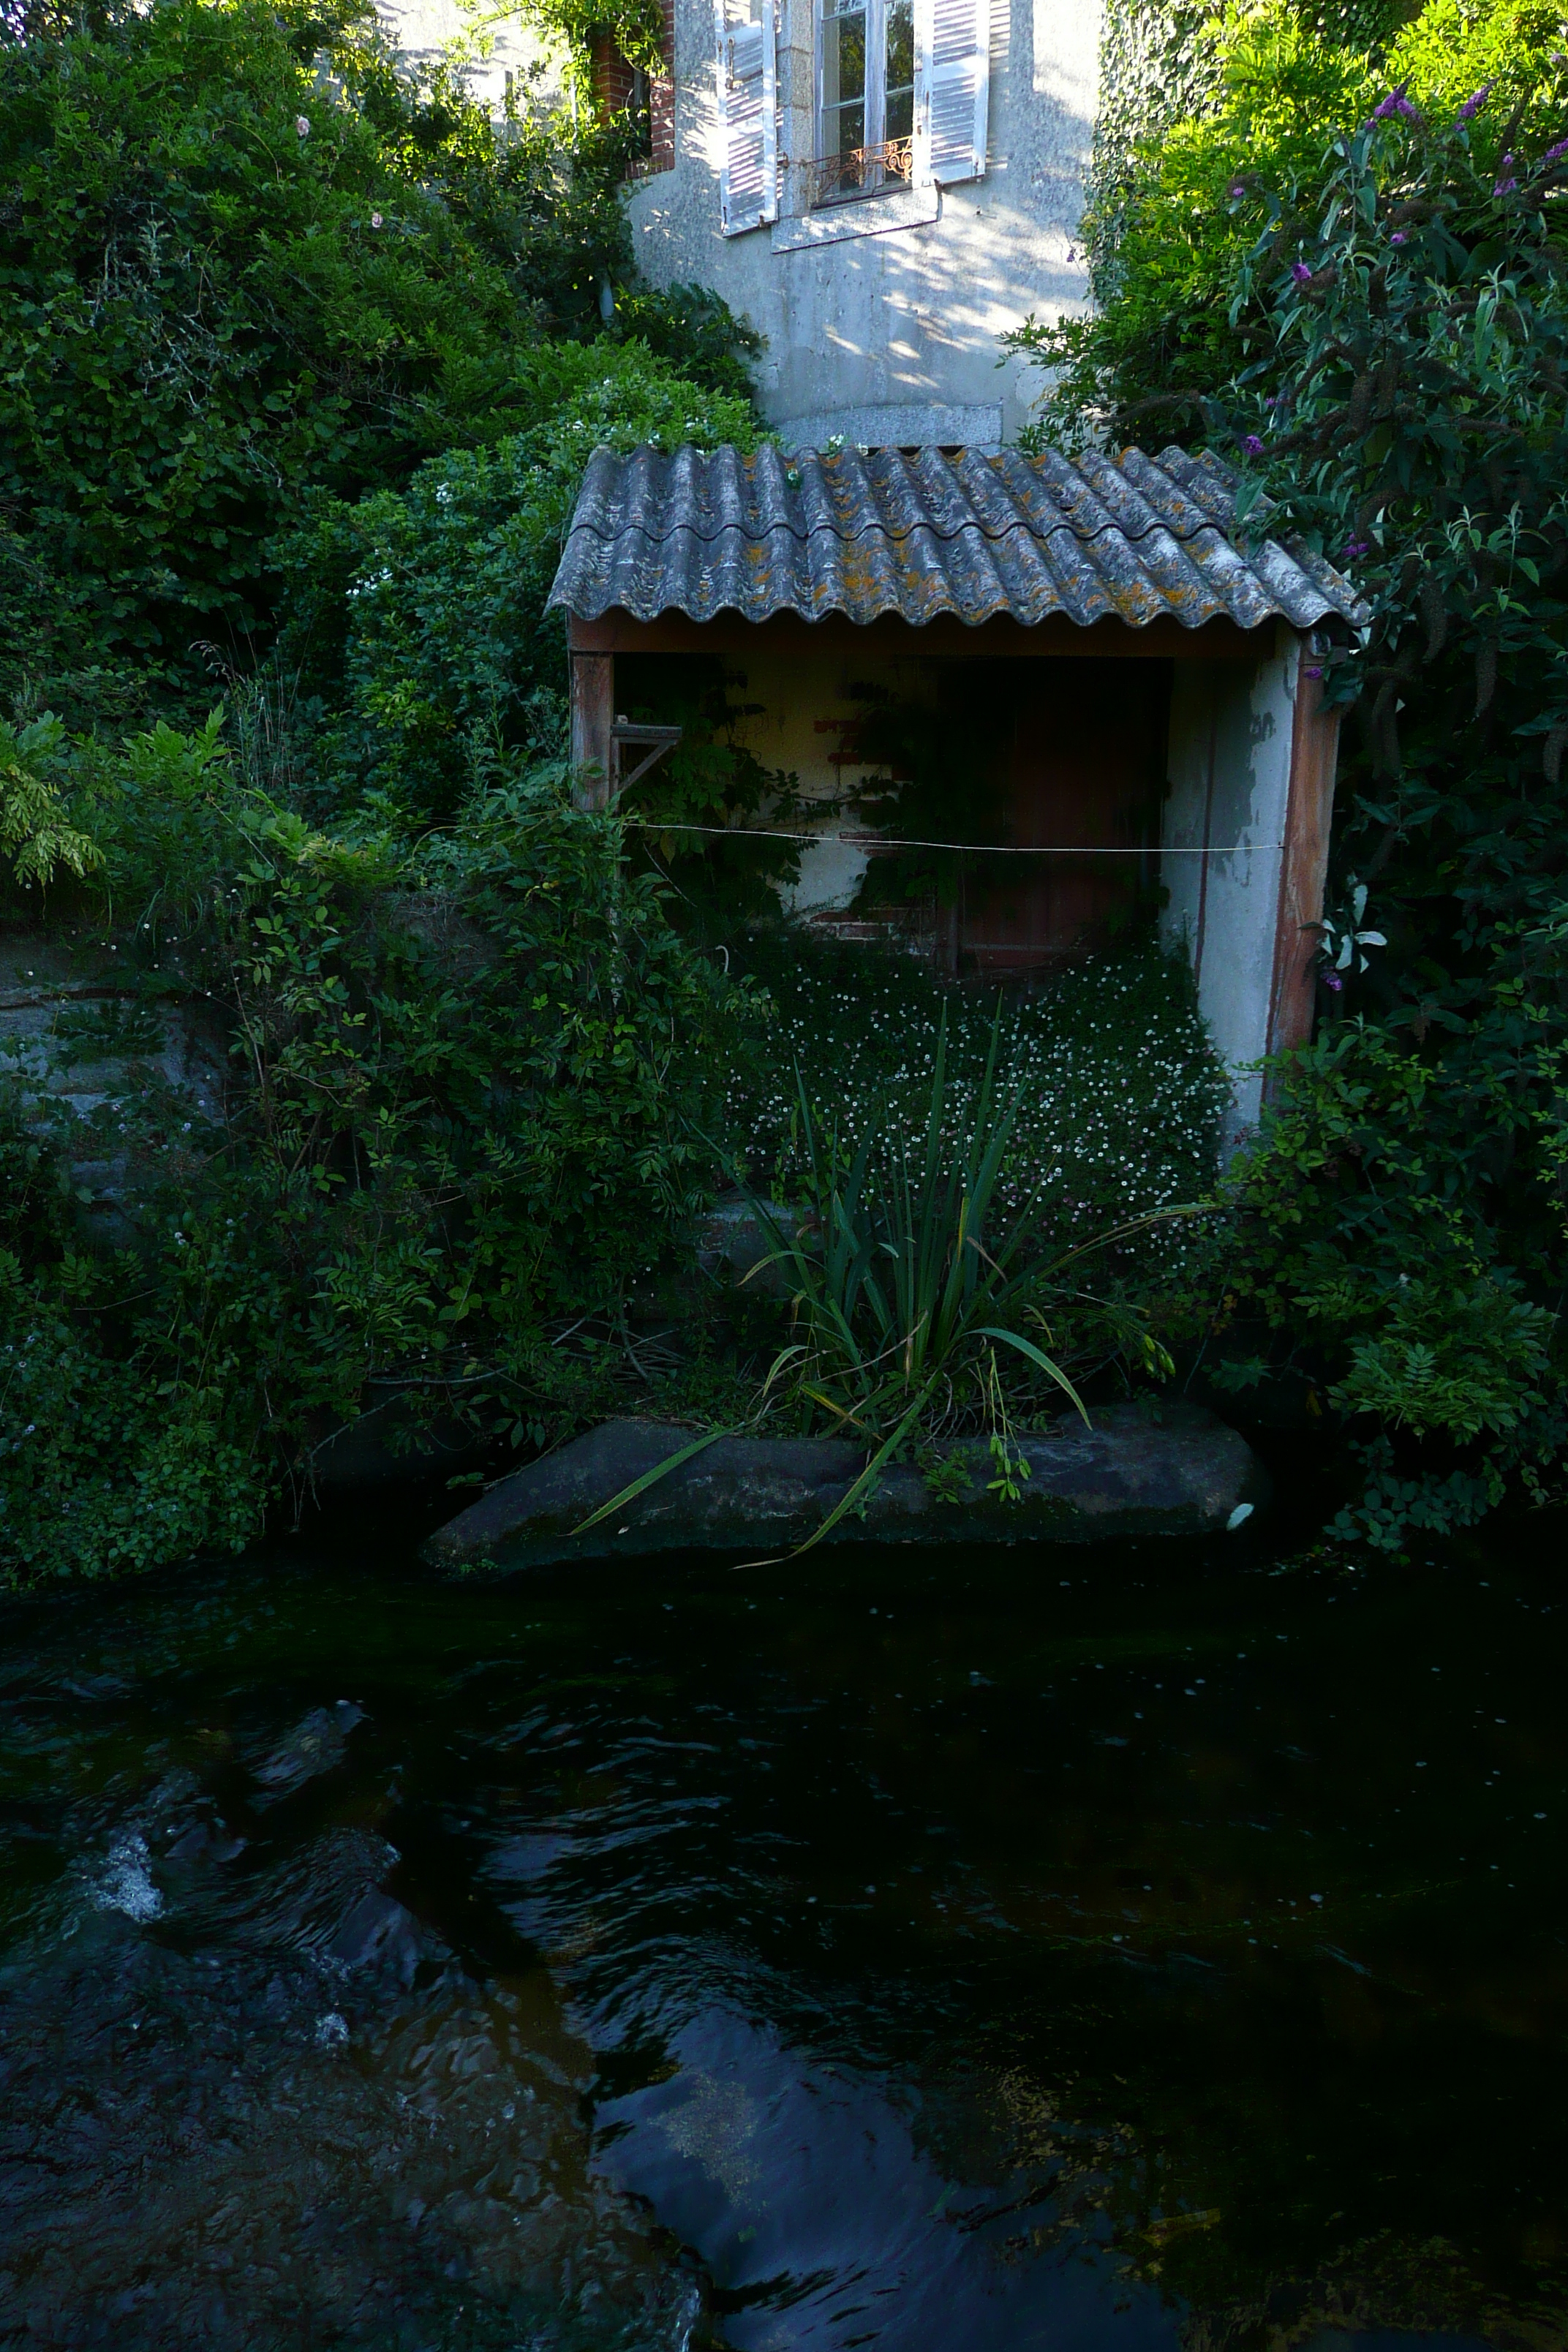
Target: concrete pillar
1245,849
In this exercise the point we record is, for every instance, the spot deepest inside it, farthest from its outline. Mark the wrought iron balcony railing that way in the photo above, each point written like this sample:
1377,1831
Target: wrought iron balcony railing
860,171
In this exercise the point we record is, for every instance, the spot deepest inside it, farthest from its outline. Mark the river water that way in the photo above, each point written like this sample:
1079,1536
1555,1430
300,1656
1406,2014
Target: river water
1112,1951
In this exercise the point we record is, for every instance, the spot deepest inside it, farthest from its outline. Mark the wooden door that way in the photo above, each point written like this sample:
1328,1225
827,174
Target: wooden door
1083,771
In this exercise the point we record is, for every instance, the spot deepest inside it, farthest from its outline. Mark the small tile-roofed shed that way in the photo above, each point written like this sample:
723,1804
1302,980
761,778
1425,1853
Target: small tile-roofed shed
1143,684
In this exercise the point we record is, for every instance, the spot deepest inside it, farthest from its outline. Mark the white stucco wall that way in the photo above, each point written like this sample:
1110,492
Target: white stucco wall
910,313
422,30
798,704
1230,786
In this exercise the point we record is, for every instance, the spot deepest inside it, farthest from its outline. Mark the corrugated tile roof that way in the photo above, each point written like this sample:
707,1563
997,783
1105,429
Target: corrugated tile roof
819,531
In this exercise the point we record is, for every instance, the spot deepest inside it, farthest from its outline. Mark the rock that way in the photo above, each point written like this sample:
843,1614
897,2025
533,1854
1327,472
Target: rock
315,1745
1175,1470
377,1933
734,1245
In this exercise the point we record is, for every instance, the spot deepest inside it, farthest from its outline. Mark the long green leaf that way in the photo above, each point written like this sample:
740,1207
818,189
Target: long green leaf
849,1500
1035,1356
651,1477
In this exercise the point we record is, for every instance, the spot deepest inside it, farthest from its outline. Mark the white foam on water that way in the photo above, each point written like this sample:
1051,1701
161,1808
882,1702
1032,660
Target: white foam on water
126,1884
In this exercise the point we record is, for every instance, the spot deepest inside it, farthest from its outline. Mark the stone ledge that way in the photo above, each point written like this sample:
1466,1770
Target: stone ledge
863,216
1183,1474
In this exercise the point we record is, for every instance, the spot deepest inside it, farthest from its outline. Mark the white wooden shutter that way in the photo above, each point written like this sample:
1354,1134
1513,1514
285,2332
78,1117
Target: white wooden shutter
953,88
748,114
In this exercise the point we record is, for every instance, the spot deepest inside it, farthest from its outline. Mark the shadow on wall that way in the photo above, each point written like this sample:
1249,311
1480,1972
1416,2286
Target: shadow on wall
424,30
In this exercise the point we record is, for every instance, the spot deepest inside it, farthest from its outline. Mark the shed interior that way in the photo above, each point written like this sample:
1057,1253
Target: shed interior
1029,764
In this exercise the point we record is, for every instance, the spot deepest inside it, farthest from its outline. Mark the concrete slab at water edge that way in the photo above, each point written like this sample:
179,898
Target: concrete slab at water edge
1182,1474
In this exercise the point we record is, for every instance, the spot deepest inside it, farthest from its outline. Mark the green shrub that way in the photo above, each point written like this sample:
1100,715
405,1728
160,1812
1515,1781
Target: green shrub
1365,243
1182,201
419,614
36,834
241,258
469,1110
1411,304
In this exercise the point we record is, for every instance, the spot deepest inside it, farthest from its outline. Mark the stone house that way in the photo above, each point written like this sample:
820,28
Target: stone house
882,187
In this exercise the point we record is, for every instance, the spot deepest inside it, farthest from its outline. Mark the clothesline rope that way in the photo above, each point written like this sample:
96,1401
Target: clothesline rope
980,848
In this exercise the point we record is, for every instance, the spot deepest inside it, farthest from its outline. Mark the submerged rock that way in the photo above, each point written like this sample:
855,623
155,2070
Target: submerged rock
316,1745
1183,1473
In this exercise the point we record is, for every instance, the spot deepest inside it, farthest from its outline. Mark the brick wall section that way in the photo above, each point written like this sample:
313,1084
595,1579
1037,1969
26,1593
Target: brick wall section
612,77
661,99
616,86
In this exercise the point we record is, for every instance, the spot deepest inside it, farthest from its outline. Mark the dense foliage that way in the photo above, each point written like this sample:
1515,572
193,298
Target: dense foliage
464,1095
1376,238
289,337
242,257
1226,108
418,632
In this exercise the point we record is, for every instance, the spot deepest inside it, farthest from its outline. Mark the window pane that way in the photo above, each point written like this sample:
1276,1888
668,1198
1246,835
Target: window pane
900,81
843,62
843,131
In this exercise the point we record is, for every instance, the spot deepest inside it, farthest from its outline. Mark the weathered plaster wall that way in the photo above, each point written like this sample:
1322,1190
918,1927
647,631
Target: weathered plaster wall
1230,785
910,314
423,30
801,703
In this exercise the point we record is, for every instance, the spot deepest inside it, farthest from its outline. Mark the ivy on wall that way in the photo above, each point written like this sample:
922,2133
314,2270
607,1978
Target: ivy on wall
634,28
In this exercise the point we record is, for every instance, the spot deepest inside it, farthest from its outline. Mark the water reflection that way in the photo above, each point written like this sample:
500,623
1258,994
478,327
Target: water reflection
1167,1956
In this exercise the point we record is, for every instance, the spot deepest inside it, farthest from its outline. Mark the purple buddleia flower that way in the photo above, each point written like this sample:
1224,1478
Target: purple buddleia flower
1253,446
1352,548
1552,153
1396,103
1503,185
1237,188
1301,273
1331,980
1474,103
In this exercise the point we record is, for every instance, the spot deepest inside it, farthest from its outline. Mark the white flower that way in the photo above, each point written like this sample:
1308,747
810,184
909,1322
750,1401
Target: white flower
375,220
302,125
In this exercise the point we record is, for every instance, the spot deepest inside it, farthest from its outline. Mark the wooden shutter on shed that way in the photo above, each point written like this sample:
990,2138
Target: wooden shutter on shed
748,114
953,88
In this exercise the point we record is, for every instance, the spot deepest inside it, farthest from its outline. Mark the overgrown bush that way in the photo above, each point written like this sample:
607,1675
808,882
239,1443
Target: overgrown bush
1228,106
1396,315
467,1113
420,630
242,257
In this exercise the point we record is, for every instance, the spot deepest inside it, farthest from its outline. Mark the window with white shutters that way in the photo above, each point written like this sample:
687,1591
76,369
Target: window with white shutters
952,88
748,119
